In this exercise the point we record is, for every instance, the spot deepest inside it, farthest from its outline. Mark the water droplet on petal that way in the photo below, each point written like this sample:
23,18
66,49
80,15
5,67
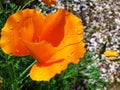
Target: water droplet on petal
64,61
79,32
11,28
68,35
72,53
68,56
7,40
17,50
52,57
67,14
18,21
63,42
61,66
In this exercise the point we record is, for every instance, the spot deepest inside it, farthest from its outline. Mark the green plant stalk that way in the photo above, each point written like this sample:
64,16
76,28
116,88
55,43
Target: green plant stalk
22,84
15,79
68,76
26,5
1,6
22,77
14,84
27,69
19,8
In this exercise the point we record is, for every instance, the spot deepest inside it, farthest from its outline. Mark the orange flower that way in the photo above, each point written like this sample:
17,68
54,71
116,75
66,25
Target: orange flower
111,54
49,2
54,40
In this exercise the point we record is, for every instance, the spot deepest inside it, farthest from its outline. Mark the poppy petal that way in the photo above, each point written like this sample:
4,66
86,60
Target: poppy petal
38,20
62,26
14,31
73,31
46,72
71,47
12,44
53,32
49,2
71,53
41,51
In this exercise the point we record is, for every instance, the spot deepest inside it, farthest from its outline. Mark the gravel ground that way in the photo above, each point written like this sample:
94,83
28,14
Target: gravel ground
101,19
102,23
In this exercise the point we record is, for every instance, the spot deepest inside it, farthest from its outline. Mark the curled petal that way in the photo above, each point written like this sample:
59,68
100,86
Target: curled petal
71,47
40,72
46,71
63,28
73,31
41,51
20,26
53,32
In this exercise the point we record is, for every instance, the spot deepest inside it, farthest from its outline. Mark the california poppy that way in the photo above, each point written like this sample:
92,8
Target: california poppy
49,2
111,54
54,40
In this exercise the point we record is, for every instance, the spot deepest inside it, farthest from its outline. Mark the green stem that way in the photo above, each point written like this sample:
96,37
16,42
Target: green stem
1,6
22,75
18,9
26,4
14,84
27,69
22,84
